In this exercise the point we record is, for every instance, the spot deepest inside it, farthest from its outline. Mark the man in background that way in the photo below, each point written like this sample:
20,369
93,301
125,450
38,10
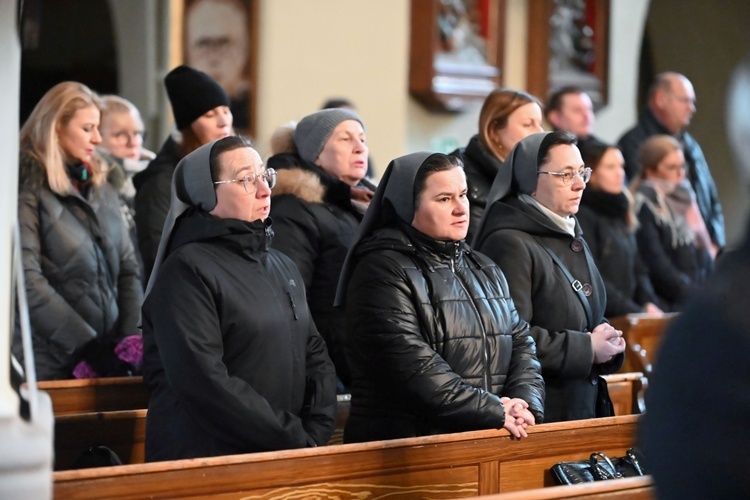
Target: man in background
671,105
570,109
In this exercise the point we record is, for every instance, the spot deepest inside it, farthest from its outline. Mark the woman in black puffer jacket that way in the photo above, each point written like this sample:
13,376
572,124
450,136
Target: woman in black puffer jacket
434,341
82,276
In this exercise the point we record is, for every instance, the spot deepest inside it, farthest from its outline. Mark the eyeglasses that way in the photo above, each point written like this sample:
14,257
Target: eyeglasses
568,176
123,136
250,181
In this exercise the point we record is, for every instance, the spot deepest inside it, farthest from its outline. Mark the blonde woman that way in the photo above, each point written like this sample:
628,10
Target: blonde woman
81,273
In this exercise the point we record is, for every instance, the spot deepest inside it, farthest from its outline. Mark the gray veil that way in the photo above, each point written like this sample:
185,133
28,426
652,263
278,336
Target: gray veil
396,187
192,186
517,176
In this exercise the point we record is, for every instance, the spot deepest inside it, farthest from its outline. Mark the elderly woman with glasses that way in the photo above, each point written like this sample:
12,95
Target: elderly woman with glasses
531,231
232,357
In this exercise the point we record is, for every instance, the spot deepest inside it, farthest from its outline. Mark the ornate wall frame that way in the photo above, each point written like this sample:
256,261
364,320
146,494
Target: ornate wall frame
456,53
568,43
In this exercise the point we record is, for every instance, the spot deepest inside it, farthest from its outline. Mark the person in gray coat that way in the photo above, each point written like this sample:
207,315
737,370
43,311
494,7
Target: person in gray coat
531,231
81,271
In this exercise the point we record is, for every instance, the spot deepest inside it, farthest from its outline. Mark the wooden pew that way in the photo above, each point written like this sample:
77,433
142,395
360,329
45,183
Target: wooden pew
626,391
643,335
96,395
124,432
631,488
446,466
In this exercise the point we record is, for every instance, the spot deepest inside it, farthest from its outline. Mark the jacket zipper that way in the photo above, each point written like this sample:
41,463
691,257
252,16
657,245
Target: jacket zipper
294,306
485,353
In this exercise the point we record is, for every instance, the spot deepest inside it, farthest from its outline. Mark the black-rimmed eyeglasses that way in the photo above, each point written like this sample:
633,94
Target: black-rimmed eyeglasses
568,176
250,181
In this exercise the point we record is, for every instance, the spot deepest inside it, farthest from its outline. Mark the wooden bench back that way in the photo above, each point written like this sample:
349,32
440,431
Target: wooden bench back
71,397
627,391
643,335
631,488
124,432
446,466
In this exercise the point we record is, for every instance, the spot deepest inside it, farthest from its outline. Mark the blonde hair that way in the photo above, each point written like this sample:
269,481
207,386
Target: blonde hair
497,107
38,136
114,104
651,153
654,150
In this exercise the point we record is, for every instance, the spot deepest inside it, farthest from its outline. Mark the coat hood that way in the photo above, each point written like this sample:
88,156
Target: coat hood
512,213
196,226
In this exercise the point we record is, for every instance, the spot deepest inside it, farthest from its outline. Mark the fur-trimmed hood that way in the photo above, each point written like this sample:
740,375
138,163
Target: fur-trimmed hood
299,182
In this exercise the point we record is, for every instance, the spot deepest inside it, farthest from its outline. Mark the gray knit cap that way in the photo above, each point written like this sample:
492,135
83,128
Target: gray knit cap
313,131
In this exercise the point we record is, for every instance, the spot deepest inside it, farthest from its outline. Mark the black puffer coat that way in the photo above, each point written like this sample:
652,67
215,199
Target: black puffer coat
80,268
231,356
434,340
480,167
544,297
315,223
153,187
603,220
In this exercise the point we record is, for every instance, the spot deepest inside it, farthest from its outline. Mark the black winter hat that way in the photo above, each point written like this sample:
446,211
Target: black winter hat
192,93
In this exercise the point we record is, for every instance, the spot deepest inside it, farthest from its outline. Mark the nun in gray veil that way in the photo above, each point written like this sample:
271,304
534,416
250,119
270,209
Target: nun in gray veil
434,341
529,229
232,358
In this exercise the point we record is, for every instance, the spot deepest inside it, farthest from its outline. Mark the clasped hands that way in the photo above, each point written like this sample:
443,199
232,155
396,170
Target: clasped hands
517,416
607,342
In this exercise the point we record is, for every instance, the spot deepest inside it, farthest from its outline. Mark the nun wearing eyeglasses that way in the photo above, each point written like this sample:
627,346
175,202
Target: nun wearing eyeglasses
232,357
434,341
531,232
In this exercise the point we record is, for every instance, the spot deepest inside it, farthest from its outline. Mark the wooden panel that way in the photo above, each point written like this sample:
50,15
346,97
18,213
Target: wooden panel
124,432
437,483
633,488
96,395
393,464
527,472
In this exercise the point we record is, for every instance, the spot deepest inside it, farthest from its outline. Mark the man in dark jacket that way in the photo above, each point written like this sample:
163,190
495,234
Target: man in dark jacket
671,106
232,357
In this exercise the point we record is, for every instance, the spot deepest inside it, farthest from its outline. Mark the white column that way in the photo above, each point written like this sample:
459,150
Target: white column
10,78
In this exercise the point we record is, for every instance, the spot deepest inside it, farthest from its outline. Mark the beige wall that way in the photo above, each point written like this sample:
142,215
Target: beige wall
705,41
312,50
360,50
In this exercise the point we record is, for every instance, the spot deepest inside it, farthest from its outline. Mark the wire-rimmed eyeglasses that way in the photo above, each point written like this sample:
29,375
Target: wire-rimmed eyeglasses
250,181
568,176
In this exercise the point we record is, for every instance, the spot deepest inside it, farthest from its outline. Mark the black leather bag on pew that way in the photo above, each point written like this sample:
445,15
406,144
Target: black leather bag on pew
599,467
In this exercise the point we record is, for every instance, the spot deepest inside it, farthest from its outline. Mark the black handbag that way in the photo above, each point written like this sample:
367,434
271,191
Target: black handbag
599,467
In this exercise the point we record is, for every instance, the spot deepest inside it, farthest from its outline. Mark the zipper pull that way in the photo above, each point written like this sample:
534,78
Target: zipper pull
294,306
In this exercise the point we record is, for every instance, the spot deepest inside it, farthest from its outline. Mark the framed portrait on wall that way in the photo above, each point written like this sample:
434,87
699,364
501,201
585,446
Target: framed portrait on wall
220,39
456,52
568,44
